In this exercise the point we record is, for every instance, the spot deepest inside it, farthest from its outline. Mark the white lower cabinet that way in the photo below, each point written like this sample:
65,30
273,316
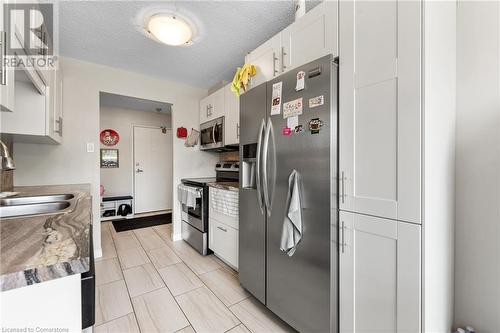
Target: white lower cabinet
43,306
380,267
223,240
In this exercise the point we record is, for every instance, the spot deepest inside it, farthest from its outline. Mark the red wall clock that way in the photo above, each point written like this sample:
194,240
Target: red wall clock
109,137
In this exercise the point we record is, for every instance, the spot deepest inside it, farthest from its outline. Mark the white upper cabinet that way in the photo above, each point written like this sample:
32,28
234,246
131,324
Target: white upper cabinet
310,37
380,108
36,96
218,107
212,106
7,87
379,275
267,60
205,105
223,103
232,120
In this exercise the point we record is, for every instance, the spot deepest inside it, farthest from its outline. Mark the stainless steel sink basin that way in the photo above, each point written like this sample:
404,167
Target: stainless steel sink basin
38,199
33,205
33,209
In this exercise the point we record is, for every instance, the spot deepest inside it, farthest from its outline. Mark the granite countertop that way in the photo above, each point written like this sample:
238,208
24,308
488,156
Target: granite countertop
229,186
40,248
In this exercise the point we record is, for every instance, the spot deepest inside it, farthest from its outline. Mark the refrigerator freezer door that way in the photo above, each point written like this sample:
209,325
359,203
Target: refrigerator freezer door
252,224
298,287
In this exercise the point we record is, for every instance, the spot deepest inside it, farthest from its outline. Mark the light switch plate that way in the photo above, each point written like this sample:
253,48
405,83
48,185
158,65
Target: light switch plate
90,147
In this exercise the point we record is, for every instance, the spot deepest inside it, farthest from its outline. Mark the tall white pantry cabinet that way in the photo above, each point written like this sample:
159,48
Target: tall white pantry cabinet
396,165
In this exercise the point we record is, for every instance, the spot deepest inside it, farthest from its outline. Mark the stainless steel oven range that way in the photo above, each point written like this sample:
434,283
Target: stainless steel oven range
195,219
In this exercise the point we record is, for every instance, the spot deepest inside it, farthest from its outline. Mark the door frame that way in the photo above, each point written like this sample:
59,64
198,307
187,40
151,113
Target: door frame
133,160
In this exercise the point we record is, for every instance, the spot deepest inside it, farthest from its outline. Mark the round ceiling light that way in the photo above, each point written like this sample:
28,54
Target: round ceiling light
169,29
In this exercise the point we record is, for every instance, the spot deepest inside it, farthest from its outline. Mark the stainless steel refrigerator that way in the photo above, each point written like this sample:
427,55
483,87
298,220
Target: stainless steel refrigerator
295,129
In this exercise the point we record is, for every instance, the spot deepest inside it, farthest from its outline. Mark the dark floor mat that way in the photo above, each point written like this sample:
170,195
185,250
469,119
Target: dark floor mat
142,222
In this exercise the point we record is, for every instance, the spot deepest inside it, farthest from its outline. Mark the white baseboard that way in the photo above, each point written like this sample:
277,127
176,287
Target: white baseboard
97,252
159,212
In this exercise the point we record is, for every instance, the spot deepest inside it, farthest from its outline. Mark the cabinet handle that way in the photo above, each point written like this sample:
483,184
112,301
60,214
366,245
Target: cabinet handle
59,123
237,130
283,54
342,244
275,71
3,52
342,187
221,228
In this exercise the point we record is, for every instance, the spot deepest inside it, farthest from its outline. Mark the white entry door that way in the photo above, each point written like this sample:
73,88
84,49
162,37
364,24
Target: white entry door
152,169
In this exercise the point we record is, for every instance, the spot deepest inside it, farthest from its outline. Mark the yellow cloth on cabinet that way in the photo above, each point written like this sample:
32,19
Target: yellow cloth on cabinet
241,78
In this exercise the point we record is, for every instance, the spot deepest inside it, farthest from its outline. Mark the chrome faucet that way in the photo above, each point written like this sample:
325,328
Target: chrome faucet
7,160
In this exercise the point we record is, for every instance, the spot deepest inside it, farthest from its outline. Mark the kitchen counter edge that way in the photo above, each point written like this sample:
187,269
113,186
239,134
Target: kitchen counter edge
73,231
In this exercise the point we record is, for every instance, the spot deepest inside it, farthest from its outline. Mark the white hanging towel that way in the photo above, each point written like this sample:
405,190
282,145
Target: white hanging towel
292,225
224,201
187,195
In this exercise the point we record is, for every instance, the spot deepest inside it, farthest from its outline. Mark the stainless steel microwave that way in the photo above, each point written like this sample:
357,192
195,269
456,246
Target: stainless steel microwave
212,134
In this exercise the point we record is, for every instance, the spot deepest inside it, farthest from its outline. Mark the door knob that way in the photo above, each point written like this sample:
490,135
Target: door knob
139,170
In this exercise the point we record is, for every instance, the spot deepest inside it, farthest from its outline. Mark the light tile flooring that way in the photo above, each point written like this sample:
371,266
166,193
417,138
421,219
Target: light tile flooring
145,283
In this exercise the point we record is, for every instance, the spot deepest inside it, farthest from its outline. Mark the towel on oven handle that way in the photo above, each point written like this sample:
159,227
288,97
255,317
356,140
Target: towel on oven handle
224,201
187,195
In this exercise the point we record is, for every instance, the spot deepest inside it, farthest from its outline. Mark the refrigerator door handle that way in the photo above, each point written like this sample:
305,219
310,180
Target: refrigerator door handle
265,177
257,171
272,161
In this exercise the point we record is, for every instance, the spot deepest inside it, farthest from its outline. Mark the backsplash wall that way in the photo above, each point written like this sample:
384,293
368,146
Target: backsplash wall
229,156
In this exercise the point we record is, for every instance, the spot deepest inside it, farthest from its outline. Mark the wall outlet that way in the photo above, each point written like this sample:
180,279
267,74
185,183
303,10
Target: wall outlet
90,147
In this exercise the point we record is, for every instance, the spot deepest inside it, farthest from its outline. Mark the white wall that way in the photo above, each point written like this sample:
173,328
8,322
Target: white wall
70,163
477,260
439,163
120,181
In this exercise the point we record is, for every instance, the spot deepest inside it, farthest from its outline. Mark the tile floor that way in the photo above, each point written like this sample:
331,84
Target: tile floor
146,283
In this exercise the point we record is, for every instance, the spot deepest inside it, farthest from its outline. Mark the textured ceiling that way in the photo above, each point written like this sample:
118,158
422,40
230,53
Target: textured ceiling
108,32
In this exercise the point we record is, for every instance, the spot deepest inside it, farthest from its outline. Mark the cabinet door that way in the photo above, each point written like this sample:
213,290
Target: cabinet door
380,108
223,240
232,121
54,104
205,106
31,106
58,98
310,37
7,72
266,59
379,275
217,105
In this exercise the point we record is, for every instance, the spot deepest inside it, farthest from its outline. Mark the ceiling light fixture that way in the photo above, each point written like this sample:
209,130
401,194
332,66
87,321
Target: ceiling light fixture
170,29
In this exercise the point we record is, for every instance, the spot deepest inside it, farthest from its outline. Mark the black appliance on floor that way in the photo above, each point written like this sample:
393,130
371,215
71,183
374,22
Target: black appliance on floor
88,289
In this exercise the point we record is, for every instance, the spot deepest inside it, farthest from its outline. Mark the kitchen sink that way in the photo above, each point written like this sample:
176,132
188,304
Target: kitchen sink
33,205
38,199
33,209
